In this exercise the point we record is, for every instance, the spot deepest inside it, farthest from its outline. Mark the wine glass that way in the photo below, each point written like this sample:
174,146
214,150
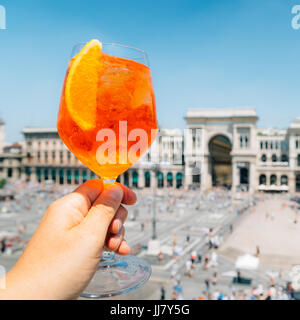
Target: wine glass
115,134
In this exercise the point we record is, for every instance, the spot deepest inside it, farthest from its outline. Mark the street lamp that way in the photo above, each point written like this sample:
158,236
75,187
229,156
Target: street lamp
153,244
155,168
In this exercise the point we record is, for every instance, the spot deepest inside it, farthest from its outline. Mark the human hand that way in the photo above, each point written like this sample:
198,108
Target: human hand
64,252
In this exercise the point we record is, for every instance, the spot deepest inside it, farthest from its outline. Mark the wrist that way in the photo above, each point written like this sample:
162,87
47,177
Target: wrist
21,286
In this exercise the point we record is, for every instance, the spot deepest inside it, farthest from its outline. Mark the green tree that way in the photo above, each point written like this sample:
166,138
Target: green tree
2,183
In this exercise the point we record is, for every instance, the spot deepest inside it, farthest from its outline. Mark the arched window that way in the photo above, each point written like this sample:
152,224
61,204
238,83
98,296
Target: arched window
76,173
126,179
53,174
274,158
261,145
273,180
284,180
160,180
284,158
178,180
61,176
69,176
298,160
263,158
28,173
241,141
135,179
262,179
147,179
266,145
246,141
170,179
84,176
9,172
46,173
39,174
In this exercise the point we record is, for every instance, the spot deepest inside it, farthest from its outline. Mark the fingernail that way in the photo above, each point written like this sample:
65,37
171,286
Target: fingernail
119,224
117,241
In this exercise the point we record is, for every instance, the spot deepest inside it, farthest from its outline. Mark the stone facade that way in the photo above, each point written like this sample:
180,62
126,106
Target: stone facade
261,159
218,147
44,157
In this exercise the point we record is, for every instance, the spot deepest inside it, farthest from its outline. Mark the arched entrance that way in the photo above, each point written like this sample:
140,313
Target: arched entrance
220,159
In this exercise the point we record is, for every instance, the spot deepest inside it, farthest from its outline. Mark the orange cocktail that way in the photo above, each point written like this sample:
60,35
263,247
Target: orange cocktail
103,93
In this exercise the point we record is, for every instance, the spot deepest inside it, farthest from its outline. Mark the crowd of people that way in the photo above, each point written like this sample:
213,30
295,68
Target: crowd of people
202,262
205,262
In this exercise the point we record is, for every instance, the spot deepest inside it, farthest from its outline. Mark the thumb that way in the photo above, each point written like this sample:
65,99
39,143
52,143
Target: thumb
103,210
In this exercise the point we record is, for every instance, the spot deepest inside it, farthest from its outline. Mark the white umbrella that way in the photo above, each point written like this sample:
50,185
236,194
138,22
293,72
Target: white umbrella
247,262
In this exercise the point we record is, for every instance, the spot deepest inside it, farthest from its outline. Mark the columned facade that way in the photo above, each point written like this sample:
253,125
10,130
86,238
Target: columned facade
219,147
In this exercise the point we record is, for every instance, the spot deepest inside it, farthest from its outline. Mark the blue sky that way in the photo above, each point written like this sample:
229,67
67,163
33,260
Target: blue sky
203,54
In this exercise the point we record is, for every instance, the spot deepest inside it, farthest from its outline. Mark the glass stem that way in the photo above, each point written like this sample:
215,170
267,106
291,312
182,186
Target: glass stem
109,180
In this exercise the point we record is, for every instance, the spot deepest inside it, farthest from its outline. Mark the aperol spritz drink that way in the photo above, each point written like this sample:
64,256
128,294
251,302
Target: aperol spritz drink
107,119
123,102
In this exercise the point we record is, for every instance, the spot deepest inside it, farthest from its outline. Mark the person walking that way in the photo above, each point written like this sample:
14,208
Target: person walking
215,278
207,284
188,268
206,262
3,245
162,293
257,251
193,256
199,256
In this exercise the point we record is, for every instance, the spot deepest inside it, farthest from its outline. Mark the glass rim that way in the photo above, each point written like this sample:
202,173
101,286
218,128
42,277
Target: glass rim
117,45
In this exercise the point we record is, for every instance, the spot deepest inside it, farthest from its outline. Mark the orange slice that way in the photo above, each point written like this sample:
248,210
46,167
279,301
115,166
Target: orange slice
82,85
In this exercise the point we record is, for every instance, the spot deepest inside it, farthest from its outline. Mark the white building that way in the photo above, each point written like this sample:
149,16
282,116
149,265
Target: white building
221,144
226,148
45,157
218,147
